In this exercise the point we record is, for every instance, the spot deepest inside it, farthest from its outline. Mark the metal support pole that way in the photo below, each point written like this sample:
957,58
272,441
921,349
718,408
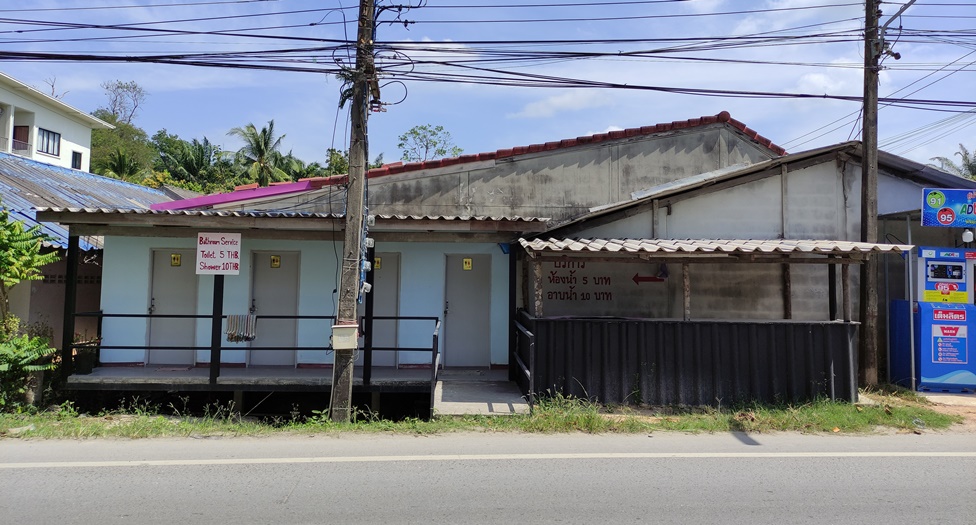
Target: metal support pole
368,322
215,325
909,271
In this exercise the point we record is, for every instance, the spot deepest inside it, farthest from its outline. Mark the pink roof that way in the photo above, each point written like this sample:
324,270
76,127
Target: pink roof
251,191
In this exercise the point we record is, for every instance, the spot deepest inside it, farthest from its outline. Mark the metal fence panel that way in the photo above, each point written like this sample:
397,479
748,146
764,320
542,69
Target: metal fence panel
705,362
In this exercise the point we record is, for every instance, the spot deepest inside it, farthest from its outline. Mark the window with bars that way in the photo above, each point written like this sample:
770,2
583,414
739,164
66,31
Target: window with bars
48,142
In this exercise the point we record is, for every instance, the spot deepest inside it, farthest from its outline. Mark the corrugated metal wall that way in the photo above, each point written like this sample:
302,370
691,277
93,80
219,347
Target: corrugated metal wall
706,362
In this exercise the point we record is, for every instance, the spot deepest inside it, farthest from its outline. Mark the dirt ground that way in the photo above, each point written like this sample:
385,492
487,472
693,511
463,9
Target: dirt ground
963,405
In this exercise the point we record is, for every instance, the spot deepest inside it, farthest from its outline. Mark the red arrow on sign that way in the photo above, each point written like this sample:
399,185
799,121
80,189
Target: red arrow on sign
646,279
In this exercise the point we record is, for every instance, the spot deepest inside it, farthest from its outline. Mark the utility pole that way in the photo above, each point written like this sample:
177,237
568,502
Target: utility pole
874,48
868,340
345,333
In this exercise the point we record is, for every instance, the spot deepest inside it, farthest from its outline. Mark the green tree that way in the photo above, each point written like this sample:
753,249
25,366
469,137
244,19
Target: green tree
297,168
21,258
260,157
122,166
126,137
338,162
200,163
427,142
966,167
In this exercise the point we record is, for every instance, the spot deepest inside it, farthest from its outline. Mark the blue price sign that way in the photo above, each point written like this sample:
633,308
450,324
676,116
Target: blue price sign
949,208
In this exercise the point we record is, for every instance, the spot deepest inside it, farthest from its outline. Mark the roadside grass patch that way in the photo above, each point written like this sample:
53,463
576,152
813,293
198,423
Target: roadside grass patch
555,414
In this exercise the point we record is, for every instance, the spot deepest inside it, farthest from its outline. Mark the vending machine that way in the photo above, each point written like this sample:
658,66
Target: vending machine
940,322
946,275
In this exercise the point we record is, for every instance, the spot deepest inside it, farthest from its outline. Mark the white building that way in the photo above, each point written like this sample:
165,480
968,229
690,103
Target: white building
43,128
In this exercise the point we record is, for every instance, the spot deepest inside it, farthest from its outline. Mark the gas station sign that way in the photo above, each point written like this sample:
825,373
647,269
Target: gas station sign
949,208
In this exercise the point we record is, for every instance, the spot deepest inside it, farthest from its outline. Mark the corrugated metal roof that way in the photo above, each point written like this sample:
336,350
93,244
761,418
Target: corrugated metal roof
281,214
191,213
462,218
704,246
26,184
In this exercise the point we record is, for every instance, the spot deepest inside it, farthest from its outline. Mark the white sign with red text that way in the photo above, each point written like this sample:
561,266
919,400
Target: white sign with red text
218,253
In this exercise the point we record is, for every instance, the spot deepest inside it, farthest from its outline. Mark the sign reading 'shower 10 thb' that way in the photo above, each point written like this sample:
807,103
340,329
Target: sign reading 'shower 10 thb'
218,253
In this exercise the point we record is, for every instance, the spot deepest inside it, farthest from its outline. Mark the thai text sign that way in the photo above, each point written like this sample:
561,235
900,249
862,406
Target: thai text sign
218,253
949,208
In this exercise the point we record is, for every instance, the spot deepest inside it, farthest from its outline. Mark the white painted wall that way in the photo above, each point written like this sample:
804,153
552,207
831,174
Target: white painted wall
75,134
126,281
821,202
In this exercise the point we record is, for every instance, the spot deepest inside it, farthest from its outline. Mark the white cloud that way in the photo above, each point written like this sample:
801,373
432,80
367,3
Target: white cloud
569,101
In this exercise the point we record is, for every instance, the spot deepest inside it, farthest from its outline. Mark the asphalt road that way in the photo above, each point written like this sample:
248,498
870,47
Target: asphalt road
493,478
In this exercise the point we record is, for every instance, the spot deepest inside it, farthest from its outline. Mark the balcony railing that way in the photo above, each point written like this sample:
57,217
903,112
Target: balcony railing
19,147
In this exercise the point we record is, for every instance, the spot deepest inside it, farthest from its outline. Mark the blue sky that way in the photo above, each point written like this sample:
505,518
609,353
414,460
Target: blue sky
936,42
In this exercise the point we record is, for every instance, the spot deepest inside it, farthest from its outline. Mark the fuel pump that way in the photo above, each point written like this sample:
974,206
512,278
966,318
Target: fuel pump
943,317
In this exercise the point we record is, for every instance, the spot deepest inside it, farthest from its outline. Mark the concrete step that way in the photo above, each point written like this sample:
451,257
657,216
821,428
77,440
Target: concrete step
495,398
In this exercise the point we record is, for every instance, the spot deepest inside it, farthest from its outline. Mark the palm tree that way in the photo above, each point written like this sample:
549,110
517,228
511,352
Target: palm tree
260,155
297,169
192,161
966,168
122,166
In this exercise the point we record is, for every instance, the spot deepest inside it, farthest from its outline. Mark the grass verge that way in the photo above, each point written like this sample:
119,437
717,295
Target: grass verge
894,409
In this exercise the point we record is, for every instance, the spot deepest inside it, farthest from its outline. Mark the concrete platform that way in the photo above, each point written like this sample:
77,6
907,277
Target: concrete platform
943,398
492,398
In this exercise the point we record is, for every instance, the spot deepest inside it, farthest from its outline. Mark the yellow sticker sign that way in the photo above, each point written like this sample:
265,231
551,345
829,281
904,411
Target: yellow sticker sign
377,263
467,263
175,259
276,261
937,296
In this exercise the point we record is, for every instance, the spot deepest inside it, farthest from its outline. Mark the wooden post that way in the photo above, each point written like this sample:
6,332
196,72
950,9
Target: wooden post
70,297
537,277
512,308
686,286
787,292
845,284
831,290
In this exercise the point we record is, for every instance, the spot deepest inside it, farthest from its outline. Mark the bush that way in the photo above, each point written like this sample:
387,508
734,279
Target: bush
20,357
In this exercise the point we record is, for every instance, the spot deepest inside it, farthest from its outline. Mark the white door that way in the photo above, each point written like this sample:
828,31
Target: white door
467,337
174,292
274,291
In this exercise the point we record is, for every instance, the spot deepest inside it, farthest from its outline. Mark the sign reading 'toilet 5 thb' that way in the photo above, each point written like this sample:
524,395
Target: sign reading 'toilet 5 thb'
218,253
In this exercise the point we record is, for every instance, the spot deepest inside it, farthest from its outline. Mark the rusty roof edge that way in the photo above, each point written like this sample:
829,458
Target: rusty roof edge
712,246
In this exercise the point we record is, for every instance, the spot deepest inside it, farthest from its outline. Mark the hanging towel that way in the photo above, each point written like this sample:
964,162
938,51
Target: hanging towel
241,328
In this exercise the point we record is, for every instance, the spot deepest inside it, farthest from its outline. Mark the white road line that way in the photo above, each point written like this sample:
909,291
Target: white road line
477,457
